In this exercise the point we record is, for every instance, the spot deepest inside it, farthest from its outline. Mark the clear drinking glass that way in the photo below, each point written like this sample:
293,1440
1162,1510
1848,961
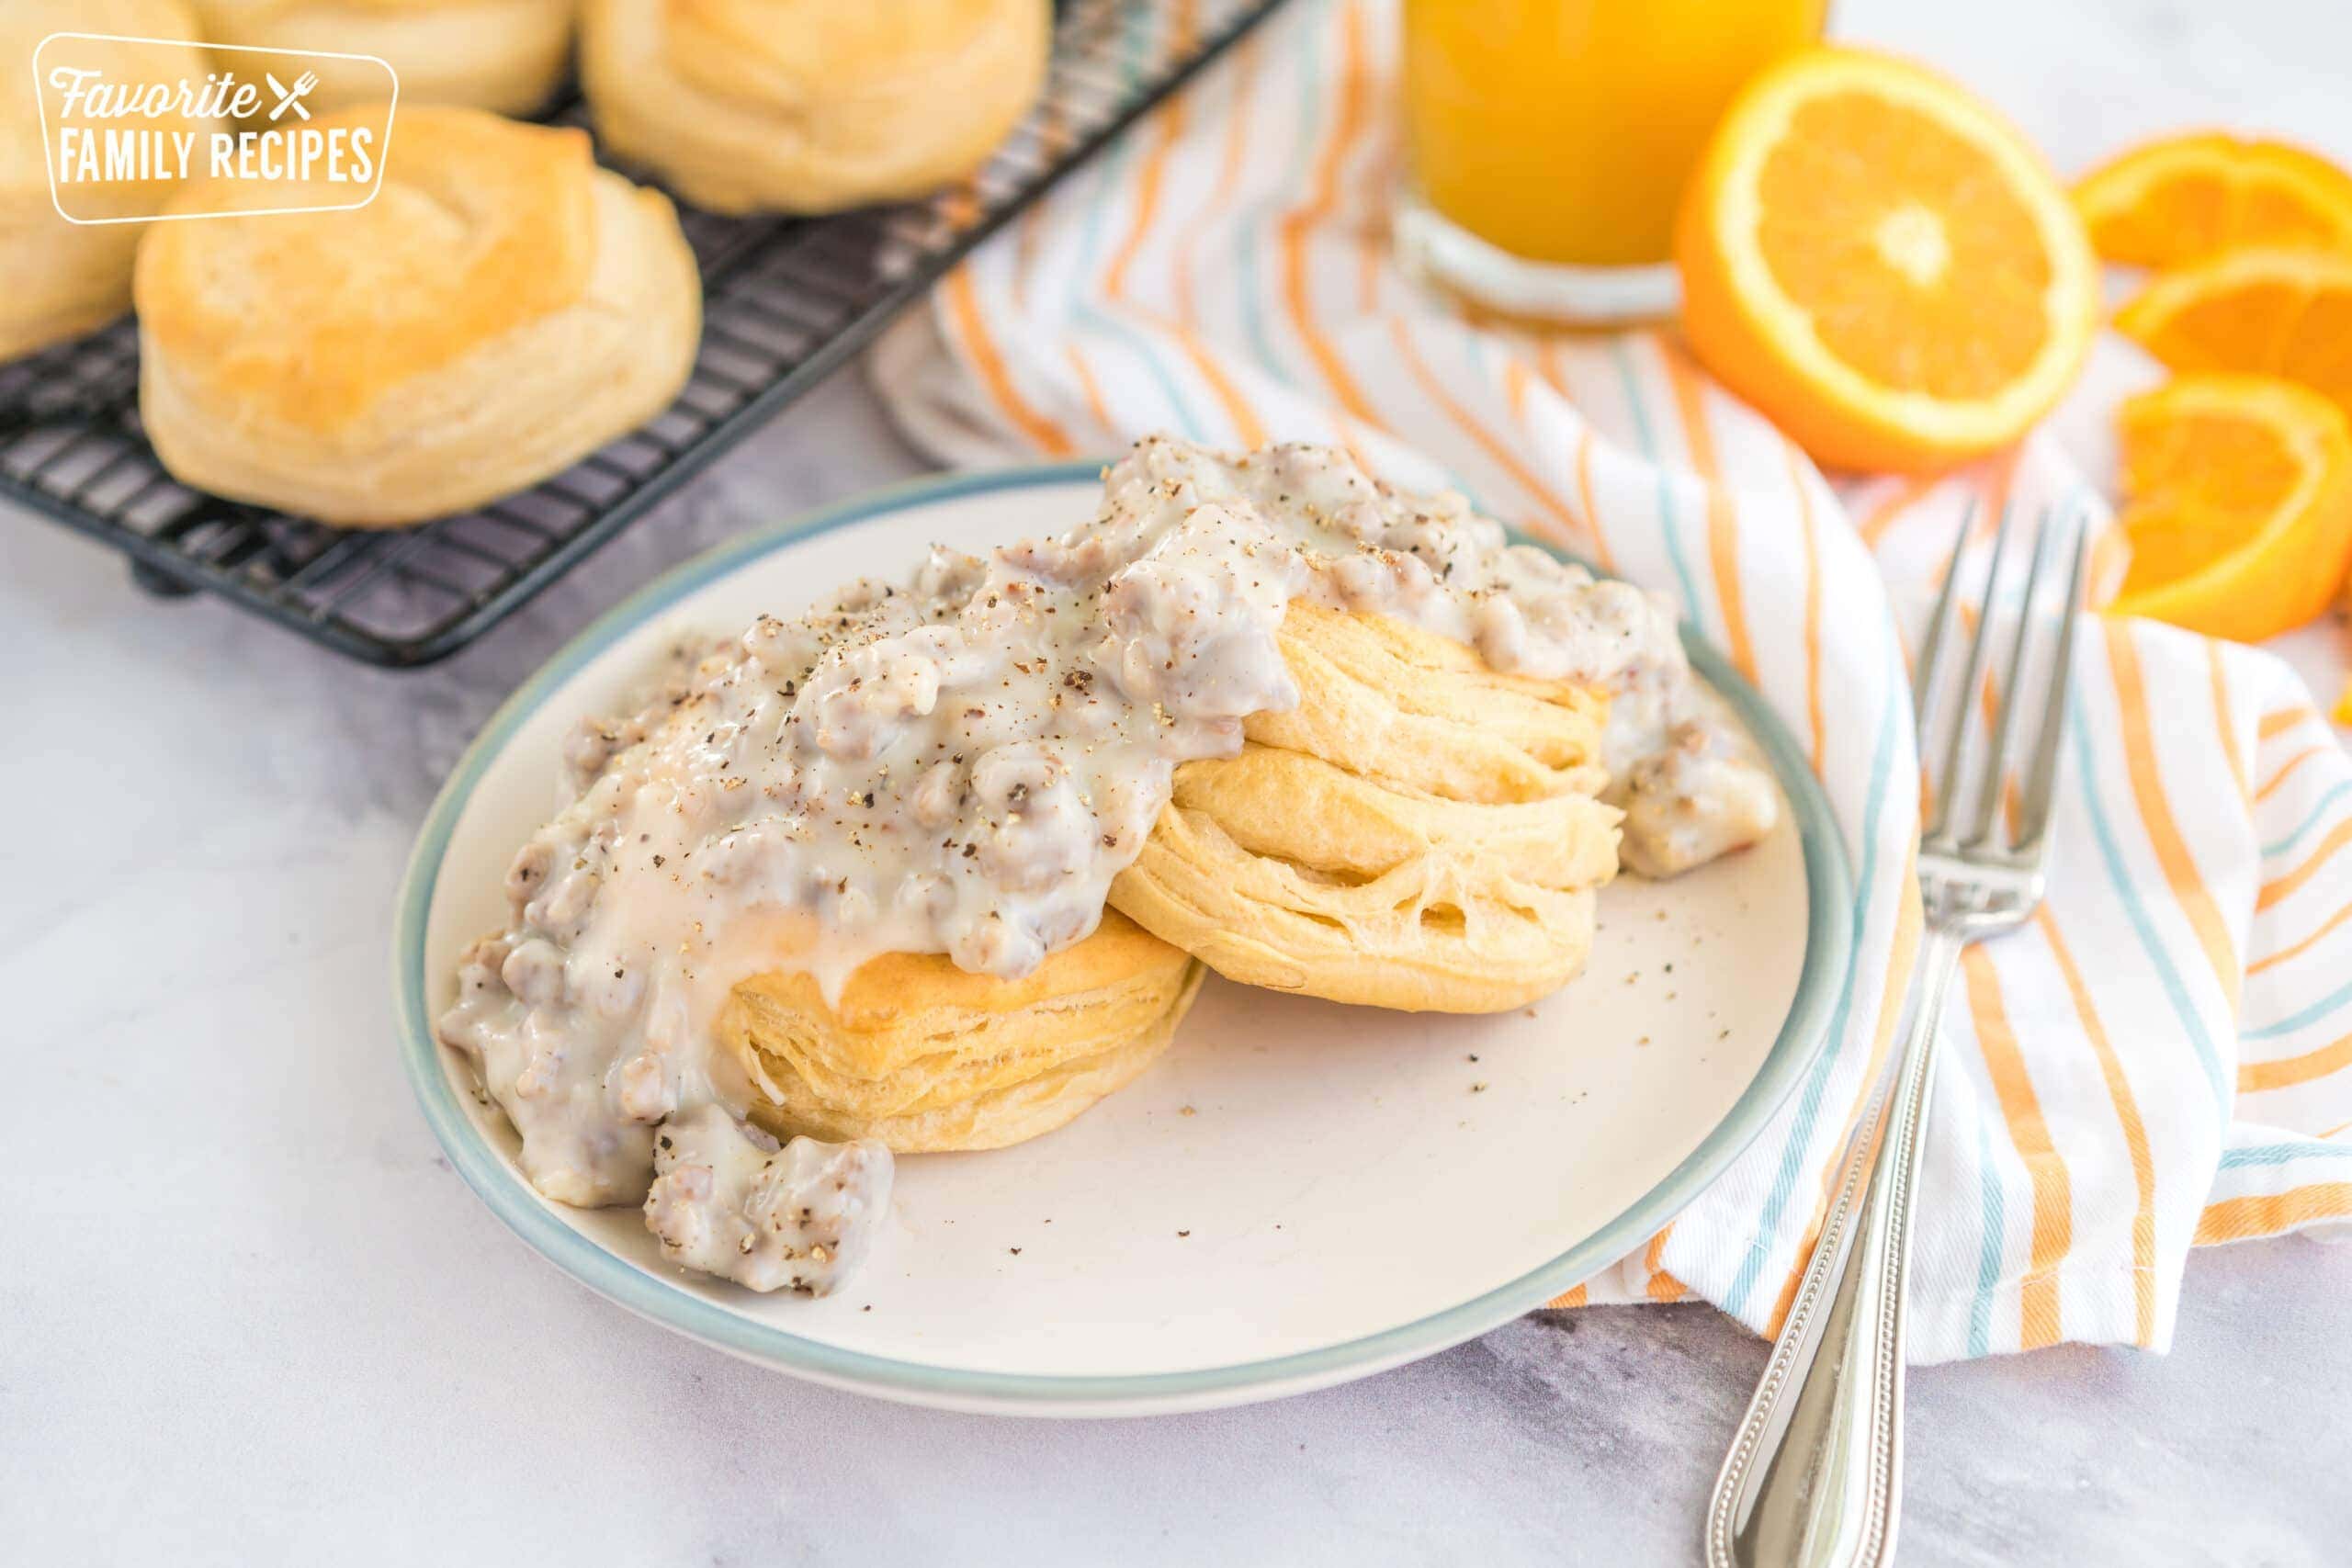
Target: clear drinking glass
1550,141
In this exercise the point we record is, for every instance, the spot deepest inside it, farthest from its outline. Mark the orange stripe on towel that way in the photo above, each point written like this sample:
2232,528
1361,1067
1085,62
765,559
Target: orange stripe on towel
1153,173
1601,555
2053,1213
2227,725
1882,516
2288,771
1095,401
2285,887
2188,888
1662,1286
1247,426
2283,954
2289,1071
1054,138
1723,515
1299,224
1494,448
2135,1129
1517,380
1909,922
1997,482
1237,131
964,310
2273,725
1813,704
2236,1219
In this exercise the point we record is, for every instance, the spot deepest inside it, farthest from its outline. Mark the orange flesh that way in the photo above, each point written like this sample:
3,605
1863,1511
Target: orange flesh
2293,319
2211,482
1917,269
2200,194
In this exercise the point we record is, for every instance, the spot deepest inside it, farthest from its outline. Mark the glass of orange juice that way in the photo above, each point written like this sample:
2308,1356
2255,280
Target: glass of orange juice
1550,141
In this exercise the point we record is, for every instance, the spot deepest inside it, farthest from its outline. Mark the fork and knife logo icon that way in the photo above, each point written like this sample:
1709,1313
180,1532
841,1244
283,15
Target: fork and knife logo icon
291,97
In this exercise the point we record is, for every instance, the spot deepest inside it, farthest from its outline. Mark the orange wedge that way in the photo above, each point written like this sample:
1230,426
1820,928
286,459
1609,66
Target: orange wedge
2188,198
1881,265
2275,313
2237,496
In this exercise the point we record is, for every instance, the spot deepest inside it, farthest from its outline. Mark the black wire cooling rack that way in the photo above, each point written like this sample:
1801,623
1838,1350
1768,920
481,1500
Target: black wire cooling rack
785,301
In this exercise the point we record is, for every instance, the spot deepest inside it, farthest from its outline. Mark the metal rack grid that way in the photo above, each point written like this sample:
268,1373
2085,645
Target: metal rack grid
786,300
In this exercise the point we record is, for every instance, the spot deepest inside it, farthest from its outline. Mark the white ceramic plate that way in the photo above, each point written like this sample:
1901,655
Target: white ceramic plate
1297,1194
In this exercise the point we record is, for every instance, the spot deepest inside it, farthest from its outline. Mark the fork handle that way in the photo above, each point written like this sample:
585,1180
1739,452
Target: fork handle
1813,1479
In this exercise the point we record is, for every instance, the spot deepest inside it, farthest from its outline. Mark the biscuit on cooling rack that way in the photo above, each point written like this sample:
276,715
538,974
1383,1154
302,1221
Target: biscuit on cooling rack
503,307
810,106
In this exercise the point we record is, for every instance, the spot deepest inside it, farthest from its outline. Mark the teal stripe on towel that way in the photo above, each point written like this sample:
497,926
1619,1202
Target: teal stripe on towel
1994,1220
2282,1154
1693,606
1737,1299
2343,787
2310,1015
1115,158
2191,1025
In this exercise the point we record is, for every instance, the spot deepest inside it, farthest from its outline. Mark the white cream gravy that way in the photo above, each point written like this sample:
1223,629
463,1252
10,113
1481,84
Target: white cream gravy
961,764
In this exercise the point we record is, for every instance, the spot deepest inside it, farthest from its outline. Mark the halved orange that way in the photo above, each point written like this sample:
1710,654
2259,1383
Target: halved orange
2237,499
2181,199
1882,265
2273,312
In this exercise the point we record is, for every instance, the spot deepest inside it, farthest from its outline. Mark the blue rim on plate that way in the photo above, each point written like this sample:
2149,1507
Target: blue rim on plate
1828,954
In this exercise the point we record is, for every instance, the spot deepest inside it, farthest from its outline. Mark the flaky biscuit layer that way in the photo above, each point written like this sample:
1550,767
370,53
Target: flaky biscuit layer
1420,832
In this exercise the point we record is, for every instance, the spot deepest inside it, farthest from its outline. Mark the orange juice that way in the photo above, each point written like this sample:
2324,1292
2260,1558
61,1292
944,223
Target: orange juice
1562,131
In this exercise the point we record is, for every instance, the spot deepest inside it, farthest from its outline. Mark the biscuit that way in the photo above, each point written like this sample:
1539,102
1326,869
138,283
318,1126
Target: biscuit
60,279
1420,832
507,56
810,106
925,1056
502,309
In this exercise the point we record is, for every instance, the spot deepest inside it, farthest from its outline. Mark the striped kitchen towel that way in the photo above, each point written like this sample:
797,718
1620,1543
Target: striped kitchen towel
2163,1057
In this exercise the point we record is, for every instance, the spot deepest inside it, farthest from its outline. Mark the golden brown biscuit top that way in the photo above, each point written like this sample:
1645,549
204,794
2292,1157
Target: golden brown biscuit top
25,23
881,990
482,226
217,12
784,53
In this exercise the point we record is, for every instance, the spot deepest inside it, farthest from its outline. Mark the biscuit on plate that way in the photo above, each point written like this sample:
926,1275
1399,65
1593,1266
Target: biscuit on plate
502,309
507,56
60,279
810,106
1420,832
925,1056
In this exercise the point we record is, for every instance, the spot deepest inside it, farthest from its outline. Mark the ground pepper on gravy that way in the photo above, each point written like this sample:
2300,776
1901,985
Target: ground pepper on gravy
961,764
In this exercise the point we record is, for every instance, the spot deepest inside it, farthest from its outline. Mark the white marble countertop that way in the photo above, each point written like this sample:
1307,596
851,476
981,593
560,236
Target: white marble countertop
248,1314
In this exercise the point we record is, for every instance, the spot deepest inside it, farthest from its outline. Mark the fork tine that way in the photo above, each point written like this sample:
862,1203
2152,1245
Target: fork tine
1923,670
2033,816
1996,764
1929,662
1947,785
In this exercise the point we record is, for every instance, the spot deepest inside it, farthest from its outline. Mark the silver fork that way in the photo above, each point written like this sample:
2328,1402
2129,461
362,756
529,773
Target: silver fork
1814,1478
